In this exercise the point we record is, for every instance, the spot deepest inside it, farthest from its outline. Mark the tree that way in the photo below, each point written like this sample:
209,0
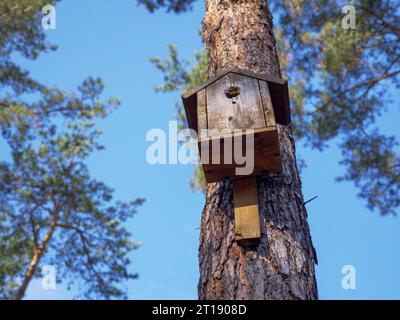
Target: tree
339,81
51,210
281,266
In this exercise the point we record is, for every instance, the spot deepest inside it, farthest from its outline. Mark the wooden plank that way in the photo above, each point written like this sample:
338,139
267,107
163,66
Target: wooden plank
280,102
267,104
190,106
247,219
266,154
201,113
241,112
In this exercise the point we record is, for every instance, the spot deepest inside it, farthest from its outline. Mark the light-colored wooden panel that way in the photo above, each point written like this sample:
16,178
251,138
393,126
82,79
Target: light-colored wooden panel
201,113
267,103
247,219
241,112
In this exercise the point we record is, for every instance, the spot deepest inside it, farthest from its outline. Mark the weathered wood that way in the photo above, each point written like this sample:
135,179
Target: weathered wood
278,89
247,218
202,113
241,112
267,103
276,82
280,102
266,153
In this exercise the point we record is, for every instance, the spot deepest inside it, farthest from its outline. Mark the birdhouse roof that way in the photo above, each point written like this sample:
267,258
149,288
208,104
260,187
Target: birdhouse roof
278,90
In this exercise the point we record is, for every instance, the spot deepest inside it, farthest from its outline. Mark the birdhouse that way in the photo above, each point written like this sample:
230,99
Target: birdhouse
237,100
232,105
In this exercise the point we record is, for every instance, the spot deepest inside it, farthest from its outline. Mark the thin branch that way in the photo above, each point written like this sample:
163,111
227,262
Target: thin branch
33,227
84,242
33,223
392,181
372,81
47,112
369,83
313,198
37,113
372,84
391,26
5,105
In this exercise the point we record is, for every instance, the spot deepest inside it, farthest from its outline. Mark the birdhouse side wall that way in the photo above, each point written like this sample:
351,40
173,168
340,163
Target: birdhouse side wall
202,114
268,109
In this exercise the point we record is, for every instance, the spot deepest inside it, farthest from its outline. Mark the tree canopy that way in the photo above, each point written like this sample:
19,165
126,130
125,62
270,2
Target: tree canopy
51,209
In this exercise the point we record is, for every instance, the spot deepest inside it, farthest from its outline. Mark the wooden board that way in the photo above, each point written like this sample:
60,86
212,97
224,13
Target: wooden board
247,218
267,103
201,113
241,112
266,154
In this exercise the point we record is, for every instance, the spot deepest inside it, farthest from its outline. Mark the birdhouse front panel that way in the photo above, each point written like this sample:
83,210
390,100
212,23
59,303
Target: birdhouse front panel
234,102
230,104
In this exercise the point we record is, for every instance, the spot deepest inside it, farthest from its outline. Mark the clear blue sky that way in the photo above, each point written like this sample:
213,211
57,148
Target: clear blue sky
114,40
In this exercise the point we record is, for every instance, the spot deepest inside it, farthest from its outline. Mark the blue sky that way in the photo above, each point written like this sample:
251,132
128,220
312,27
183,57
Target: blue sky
114,40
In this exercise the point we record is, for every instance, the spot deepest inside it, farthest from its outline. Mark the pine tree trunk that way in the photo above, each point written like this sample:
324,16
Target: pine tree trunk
239,33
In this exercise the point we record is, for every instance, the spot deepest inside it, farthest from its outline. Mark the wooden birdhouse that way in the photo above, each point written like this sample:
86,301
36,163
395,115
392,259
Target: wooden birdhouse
223,109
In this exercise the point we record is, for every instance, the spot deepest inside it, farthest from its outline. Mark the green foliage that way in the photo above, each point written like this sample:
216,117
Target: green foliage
176,74
375,152
176,6
338,86
50,135
21,32
339,83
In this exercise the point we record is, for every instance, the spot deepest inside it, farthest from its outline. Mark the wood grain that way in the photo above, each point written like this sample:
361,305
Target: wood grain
266,154
267,104
202,113
247,218
241,112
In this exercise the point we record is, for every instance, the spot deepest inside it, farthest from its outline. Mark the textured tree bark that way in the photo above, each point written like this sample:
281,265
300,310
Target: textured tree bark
239,33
